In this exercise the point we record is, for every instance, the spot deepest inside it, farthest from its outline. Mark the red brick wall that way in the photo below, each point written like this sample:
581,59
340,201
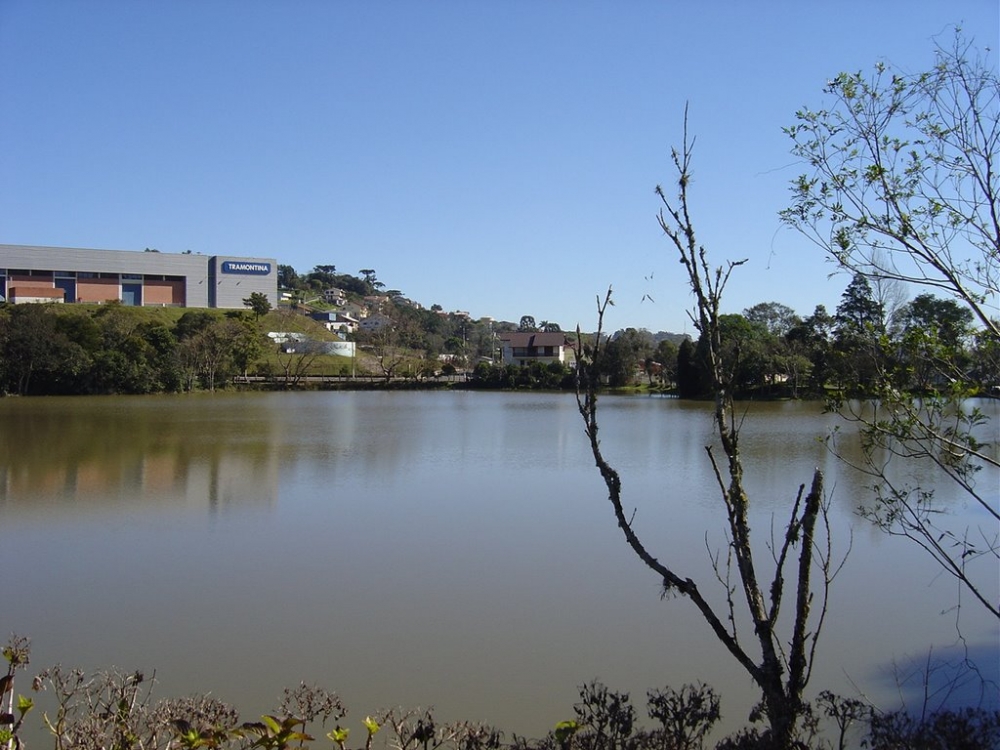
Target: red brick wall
96,290
159,292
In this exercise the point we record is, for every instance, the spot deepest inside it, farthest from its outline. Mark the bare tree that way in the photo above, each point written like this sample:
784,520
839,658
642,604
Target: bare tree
388,345
296,359
779,663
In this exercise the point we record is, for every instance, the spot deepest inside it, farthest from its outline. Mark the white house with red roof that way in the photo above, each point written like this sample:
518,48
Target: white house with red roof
524,347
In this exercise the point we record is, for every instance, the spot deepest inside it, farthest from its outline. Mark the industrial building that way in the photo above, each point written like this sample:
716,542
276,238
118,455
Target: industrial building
64,274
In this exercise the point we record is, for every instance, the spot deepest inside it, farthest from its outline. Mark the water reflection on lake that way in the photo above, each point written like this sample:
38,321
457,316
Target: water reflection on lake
446,549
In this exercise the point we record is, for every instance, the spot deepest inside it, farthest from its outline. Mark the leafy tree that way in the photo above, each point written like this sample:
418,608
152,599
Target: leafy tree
323,276
812,339
691,377
985,369
353,285
666,357
903,182
370,280
248,346
951,321
115,371
82,329
207,352
623,356
903,185
776,318
931,343
858,346
551,376
752,358
258,303
161,355
858,315
527,324
29,345
192,322
288,278
746,362
779,663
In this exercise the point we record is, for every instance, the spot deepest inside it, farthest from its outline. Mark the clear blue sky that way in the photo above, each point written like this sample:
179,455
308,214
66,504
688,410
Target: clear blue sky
493,157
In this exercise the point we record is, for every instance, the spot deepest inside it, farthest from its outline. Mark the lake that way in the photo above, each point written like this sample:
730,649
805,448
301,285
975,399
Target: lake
446,549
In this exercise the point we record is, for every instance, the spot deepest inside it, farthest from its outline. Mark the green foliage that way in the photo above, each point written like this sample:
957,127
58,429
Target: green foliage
193,322
902,188
564,732
536,376
259,304
624,356
692,378
902,183
859,315
275,733
287,277
777,319
663,363
106,349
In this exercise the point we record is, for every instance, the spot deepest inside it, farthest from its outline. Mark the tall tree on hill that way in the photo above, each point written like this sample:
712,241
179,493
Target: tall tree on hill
287,277
369,278
258,303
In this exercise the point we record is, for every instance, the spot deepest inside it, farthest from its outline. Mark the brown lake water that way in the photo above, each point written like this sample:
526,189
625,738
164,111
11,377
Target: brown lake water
454,550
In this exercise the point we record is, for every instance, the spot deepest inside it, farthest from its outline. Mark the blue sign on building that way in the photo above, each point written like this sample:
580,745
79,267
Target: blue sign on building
246,267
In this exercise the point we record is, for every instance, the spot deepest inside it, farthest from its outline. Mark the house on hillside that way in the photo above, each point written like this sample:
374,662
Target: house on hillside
374,322
336,322
376,302
523,348
334,296
354,310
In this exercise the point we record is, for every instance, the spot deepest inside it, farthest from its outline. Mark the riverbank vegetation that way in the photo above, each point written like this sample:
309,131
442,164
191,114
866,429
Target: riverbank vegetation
924,346
120,710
